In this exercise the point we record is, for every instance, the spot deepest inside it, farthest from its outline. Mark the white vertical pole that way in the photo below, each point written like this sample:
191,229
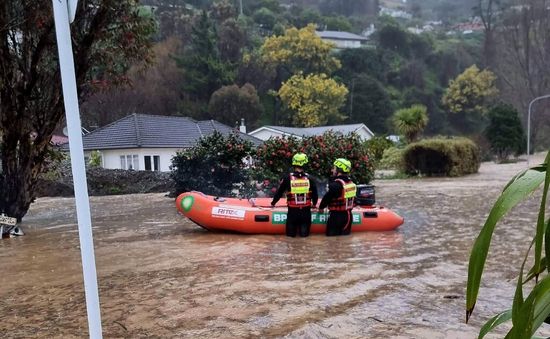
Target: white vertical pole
68,79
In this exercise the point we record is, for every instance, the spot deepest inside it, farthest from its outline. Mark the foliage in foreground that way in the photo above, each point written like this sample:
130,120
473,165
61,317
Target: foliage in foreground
442,156
527,314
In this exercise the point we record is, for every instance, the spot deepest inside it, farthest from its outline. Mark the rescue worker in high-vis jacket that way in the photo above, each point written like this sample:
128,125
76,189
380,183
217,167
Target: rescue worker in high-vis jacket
339,199
300,198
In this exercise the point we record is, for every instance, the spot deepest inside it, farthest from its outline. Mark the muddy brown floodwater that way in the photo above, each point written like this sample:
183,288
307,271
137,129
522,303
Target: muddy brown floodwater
162,276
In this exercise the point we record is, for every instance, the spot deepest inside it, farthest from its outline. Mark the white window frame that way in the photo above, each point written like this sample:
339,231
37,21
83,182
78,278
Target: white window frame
129,161
154,161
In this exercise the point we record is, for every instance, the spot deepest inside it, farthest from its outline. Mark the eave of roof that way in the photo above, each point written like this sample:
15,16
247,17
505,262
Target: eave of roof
154,131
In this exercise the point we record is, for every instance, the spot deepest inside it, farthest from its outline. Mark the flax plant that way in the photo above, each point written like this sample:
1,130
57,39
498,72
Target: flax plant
527,313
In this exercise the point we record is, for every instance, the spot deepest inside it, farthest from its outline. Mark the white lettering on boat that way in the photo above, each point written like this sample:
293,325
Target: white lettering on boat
228,213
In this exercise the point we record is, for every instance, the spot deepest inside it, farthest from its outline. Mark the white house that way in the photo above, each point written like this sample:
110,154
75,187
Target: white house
343,39
266,132
148,142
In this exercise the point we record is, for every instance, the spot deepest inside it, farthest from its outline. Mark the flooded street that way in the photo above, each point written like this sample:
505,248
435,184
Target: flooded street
162,276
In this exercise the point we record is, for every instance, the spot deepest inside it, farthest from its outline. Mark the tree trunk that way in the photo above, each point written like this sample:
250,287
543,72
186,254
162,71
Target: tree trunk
22,161
30,86
489,50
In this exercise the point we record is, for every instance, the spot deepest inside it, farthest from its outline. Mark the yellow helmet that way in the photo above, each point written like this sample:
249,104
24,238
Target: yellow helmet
299,159
343,164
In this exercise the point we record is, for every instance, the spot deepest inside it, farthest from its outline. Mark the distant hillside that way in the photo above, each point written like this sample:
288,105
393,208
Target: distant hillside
395,4
446,10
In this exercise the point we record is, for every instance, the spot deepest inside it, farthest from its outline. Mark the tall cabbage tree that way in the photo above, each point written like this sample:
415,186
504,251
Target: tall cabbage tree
410,122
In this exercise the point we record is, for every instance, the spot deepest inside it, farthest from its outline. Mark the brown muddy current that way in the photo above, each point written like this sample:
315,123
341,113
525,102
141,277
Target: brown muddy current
160,275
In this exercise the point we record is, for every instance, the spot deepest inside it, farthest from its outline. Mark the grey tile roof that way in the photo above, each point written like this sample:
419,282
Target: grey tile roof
311,131
340,35
155,131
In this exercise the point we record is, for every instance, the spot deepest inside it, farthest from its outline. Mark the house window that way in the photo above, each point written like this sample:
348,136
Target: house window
129,162
152,162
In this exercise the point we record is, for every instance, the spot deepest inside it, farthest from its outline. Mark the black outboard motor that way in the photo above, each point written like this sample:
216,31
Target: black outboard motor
365,195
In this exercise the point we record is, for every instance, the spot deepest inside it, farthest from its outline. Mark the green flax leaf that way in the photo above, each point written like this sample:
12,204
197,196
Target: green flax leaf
541,225
534,311
534,273
494,322
516,191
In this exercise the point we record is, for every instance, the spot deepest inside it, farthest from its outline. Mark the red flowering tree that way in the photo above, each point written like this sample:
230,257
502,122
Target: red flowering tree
273,158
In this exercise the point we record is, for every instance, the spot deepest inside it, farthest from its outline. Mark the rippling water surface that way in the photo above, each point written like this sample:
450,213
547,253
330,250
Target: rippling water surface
162,276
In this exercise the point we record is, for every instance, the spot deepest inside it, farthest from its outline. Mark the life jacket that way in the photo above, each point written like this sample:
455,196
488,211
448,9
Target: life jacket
345,201
300,191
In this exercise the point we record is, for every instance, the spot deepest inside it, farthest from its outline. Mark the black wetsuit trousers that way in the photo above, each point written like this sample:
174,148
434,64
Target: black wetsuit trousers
298,221
339,223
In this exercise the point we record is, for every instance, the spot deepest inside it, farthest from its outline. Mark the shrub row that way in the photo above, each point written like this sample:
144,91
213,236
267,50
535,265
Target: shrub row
215,165
442,157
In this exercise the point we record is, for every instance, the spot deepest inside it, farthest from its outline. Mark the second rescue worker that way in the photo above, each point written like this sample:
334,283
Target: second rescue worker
339,199
301,196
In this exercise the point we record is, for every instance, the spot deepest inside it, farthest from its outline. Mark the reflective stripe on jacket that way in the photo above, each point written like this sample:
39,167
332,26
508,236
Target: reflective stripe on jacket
345,201
300,191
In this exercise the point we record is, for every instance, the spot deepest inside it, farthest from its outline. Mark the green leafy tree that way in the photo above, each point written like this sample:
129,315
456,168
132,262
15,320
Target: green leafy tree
265,18
252,6
231,41
222,10
300,50
410,122
470,91
392,37
369,103
530,312
504,132
337,23
314,99
306,17
350,8
231,103
203,67
468,97
108,37
372,62
214,166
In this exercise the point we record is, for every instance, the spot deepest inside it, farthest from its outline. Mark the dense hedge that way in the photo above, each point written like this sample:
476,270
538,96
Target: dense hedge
377,146
273,158
214,166
442,156
392,159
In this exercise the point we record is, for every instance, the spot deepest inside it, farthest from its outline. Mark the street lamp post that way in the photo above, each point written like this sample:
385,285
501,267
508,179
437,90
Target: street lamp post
529,122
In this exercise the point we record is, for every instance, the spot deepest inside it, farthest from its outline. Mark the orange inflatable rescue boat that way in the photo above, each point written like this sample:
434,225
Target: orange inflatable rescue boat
256,216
